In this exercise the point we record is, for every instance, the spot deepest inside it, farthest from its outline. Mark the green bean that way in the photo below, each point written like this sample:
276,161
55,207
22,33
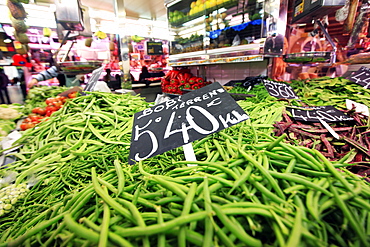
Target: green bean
161,236
102,138
301,155
160,228
220,150
223,237
276,142
299,179
336,236
266,174
332,169
39,227
40,164
266,192
107,199
363,204
137,192
208,235
218,165
185,211
103,237
170,186
137,217
350,217
241,235
242,178
80,230
296,233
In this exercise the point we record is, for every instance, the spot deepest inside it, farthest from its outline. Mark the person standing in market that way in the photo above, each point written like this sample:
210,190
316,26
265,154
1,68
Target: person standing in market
4,82
52,72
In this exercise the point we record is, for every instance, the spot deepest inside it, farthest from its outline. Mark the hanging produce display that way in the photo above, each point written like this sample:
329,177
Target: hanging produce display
17,16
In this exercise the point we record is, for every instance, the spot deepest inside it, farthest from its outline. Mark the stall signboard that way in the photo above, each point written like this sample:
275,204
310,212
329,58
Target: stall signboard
182,120
154,48
317,113
362,77
280,90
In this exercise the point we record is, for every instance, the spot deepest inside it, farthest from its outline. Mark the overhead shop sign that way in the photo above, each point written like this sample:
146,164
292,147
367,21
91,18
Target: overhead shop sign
154,48
183,120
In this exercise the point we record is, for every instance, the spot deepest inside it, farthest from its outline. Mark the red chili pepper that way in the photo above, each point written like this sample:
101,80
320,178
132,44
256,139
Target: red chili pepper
195,87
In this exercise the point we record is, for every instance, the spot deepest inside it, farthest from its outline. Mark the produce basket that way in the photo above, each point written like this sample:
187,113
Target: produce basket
79,67
308,57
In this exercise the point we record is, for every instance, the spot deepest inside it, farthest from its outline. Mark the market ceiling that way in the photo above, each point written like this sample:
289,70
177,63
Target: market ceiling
145,9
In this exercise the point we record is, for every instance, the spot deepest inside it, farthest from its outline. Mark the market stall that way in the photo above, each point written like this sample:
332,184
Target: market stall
256,162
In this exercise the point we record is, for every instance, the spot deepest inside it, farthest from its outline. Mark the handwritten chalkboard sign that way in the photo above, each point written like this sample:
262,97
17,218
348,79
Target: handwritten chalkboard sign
362,77
317,113
182,120
154,48
93,79
280,90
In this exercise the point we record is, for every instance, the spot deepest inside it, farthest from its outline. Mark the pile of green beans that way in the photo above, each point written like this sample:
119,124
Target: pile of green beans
269,194
57,155
248,188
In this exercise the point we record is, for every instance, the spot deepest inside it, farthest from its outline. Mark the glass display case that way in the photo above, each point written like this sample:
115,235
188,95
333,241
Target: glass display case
220,31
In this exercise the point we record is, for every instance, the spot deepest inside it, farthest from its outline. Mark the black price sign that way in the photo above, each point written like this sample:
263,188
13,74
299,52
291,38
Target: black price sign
154,48
317,113
362,77
279,90
182,120
93,79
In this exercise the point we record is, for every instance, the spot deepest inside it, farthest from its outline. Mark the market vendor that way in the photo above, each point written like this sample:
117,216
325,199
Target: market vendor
52,72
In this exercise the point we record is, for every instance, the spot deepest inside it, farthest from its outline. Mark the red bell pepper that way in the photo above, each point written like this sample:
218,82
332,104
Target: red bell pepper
165,81
193,80
200,80
174,74
187,86
181,78
168,75
187,76
175,81
195,86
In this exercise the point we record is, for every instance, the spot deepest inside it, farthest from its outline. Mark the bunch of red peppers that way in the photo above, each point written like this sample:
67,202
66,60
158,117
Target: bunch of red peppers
176,81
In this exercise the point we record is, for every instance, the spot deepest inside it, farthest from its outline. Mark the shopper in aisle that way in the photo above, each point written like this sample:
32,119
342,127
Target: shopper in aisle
52,72
144,74
4,82
112,81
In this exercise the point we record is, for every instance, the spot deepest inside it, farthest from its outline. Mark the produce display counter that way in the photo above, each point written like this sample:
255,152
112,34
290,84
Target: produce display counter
268,180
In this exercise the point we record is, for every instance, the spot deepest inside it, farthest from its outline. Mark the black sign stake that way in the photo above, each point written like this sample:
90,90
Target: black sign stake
183,120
